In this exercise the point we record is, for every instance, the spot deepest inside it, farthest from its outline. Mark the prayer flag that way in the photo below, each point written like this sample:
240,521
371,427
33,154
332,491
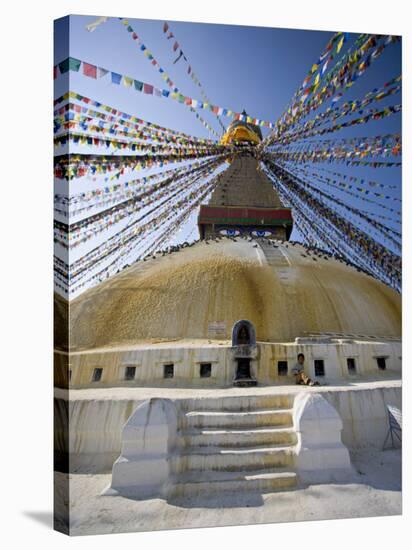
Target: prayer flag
325,65
306,81
178,57
116,78
138,85
101,72
89,70
336,98
340,44
69,64
92,26
148,89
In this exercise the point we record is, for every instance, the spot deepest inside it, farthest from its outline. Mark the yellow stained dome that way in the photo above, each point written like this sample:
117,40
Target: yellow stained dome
178,296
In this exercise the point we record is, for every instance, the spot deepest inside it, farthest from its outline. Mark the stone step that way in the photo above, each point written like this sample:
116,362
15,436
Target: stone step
276,260
239,403
208,483
274,256
233,459
238,437
249,419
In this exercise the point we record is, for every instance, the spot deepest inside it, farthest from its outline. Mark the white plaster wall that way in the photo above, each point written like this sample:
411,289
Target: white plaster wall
94,437
149,363
94,440
334,356
364,415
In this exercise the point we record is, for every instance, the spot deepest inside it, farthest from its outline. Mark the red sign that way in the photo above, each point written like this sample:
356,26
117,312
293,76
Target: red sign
244,215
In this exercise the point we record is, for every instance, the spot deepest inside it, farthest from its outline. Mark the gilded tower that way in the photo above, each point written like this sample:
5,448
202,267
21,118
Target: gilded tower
244,201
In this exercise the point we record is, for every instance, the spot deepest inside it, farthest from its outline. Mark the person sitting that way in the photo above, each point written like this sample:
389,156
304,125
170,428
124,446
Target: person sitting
299,373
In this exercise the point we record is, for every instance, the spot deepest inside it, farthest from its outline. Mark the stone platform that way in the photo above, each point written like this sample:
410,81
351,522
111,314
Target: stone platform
235,458
213,421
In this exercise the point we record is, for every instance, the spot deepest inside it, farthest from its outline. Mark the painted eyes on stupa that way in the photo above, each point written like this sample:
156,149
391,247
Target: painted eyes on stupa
261,233
253,233
230,232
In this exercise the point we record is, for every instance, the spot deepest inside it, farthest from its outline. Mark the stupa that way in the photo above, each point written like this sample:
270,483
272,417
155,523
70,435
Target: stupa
202,340
235,307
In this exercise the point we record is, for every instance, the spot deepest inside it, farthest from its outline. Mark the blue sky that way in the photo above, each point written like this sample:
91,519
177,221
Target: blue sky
254,68
257,69
250,68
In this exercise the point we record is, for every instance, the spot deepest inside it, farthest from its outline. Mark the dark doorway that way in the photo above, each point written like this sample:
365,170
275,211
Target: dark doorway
130,373
381,363
350,361
97,374
243,368
168,370
282,368
319,367
205,370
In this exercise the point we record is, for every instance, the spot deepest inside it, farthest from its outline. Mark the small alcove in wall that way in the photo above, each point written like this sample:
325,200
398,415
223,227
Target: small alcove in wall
243,333
243,342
